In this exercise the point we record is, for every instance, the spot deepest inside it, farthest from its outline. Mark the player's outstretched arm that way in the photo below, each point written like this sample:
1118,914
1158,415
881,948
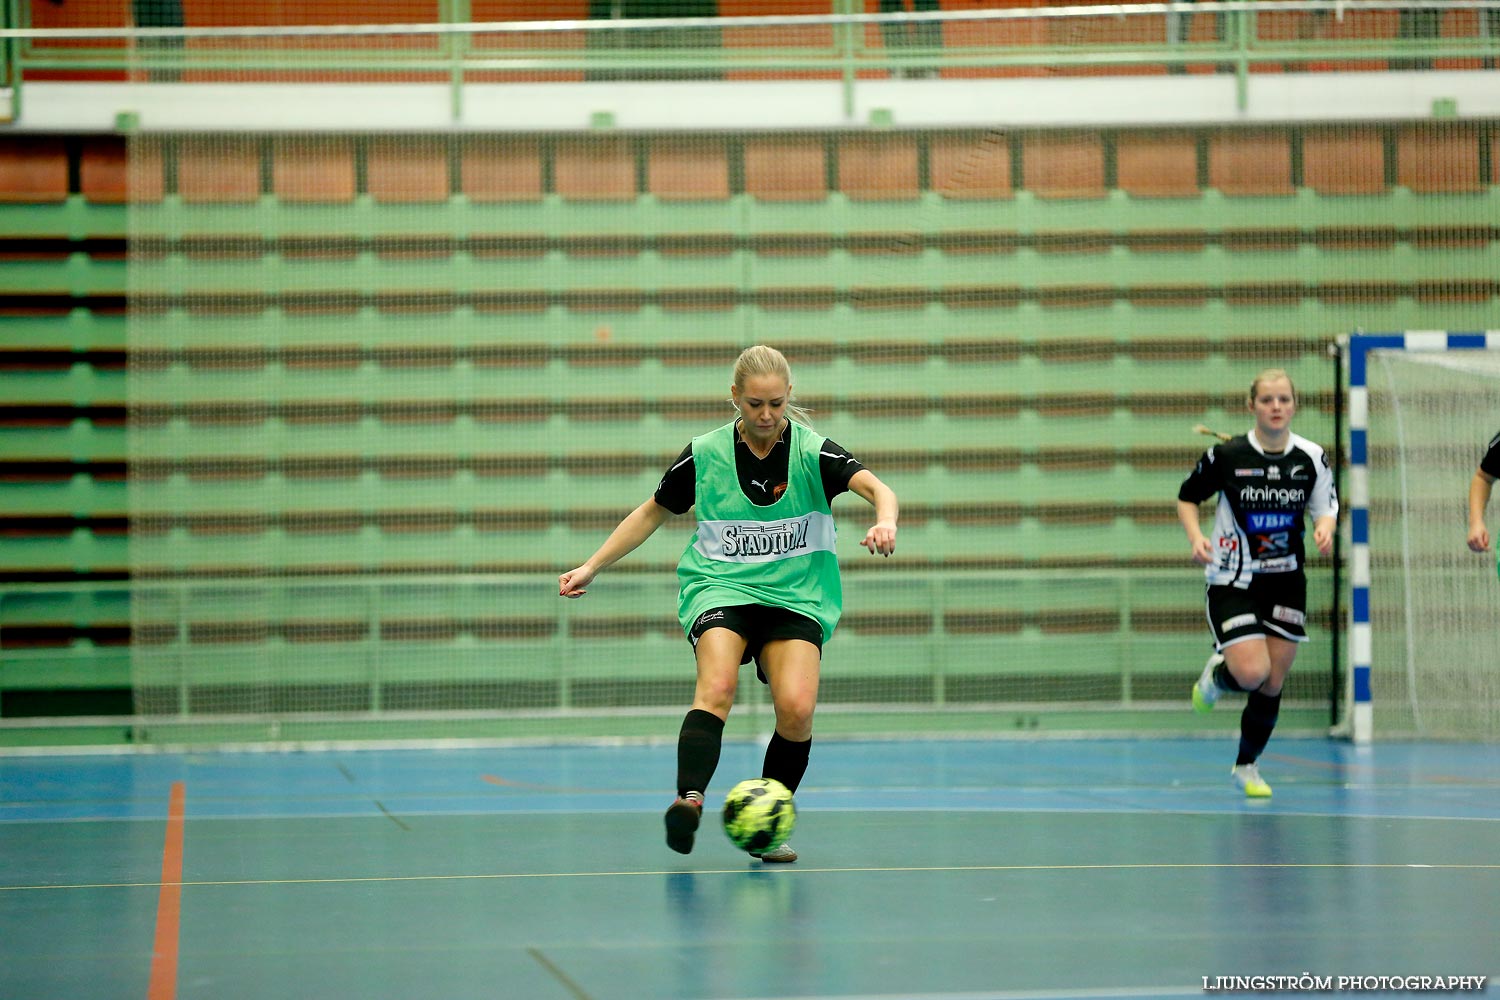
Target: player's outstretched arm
1203,549
637,526
881,537
1479,497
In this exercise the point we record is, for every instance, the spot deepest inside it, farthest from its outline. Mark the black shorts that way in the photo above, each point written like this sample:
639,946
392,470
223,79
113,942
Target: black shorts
1273,604
758,624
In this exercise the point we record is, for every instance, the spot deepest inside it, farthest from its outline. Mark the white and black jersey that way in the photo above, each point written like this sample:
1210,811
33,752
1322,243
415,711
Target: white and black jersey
1263,499
1490,463
763,480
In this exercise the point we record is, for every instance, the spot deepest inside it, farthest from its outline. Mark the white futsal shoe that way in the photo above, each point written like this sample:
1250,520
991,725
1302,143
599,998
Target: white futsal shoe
1247,776
1205,691
777,855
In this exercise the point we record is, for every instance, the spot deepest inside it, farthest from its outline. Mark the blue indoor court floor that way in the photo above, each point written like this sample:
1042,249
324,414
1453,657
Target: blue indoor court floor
930,869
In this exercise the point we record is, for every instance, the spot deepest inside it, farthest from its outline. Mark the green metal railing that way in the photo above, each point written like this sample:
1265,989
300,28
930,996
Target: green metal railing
840,44
171,665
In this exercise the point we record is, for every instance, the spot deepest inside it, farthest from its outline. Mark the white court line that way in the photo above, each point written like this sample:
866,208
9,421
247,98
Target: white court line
1232,809
784,873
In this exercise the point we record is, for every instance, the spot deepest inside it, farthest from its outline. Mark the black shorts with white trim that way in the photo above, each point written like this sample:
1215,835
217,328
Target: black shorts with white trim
1274,604
758,624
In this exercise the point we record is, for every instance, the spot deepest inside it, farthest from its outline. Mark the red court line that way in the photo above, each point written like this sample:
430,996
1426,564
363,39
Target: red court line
168,904
1373,771
507,783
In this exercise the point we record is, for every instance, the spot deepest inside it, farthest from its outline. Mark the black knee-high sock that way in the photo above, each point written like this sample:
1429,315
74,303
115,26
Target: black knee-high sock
1225,679
786,761
1256,723
698,746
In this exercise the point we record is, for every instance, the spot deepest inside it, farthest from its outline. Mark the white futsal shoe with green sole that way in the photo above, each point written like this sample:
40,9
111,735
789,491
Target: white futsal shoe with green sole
777,855
1205,691
1247,776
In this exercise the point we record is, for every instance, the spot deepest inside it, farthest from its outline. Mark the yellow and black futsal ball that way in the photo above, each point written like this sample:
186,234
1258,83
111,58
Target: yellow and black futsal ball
759,814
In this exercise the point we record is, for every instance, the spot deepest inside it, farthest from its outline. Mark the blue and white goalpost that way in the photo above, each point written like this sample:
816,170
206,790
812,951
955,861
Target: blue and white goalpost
1418,593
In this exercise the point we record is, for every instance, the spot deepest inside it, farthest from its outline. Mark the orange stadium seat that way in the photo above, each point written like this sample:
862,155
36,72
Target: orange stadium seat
1285,26
488,11
1344,160
1063,164
811,37
307,169
492,171
407,169
146,169
786,168
1433,159
1157,164
1460,24
217,14
80,14
1357,25
219,170
103,170
695,169
1250,162
598,168
878,168
209,13
988,34
33,169
1201,28
970,165
1117,31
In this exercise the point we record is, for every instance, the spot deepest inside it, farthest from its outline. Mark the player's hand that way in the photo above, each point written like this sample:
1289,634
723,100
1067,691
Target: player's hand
574,581
1479,538
881,538
1203,551
1323,539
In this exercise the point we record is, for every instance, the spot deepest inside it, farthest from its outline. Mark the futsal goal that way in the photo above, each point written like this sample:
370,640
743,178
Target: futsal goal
1425,610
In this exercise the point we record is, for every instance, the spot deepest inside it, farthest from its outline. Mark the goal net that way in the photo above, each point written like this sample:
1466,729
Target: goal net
386,383
1433,605
384,388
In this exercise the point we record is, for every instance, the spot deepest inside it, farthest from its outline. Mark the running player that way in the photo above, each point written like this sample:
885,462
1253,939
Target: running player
759,579
1479,496
1267,480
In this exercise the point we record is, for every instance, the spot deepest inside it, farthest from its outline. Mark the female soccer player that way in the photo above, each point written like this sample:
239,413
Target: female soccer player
760,577
1479,496
1267,480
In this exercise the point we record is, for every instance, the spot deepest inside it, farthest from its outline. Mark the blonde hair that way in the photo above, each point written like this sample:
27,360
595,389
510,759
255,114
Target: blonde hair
1271,375
763,360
